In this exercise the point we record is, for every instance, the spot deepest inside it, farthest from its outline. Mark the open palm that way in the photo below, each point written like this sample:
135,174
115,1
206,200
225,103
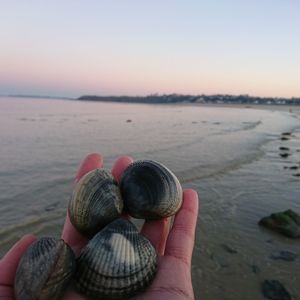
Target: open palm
174,245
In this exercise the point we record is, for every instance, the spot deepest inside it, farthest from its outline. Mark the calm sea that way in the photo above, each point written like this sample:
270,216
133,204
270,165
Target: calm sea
229,155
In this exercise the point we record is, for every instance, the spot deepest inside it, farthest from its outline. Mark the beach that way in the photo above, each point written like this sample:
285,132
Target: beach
230,154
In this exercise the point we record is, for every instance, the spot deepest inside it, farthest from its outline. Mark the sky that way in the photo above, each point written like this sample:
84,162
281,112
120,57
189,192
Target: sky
139,47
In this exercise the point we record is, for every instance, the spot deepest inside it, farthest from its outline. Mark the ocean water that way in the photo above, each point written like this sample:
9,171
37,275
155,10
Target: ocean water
229,155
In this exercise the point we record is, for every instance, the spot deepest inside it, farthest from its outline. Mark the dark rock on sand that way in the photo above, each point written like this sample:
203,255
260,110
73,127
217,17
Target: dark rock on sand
274,290
284,148
255,269
294,168
284,255
286,223
229,249
296,175
284,155
128,121
286,133
283,138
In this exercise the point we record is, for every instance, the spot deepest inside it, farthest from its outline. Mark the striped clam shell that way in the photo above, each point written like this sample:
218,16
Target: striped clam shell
96,201
45,270
150,190
117,263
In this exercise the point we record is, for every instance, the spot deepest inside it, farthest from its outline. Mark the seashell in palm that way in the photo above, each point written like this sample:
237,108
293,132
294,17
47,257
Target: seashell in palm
44,270
96,201
117,263
150,190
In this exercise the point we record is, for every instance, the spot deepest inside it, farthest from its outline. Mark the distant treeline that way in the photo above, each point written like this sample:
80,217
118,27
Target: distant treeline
176,98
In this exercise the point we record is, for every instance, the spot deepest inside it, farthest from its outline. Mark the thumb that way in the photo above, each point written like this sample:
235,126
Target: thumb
181,239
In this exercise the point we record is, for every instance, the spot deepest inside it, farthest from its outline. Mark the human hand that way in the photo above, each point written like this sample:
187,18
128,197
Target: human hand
174,245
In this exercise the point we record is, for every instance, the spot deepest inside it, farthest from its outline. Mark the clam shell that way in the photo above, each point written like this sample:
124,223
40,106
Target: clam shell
150,190
96,201
117,263
45,270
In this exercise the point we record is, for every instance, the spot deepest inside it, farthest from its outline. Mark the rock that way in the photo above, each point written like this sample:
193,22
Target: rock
283,138
128,121
286,133
286,223
284,255
274,290
296,175
284,155
284,148
255,269
229,249
294,168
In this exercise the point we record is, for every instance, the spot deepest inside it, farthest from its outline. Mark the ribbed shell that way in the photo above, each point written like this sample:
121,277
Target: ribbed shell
117,263
150,190
45,270
96,201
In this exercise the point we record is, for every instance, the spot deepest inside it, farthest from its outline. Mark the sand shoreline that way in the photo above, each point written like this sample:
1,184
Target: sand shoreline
285,108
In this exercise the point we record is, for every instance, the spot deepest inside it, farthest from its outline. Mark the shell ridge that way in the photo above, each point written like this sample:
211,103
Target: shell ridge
95,202
150,190
58,278
44,270
124,264
35,251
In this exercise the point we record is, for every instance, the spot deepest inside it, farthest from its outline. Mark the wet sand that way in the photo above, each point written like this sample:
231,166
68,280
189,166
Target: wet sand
233,255
286,108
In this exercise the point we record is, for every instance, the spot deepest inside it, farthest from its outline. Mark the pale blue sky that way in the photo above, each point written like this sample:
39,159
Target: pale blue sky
138,47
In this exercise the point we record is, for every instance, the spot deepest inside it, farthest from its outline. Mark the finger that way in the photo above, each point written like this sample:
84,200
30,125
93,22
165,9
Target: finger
91,162
120,165
7,293
70,235
180,242
157,232
73,237
9,263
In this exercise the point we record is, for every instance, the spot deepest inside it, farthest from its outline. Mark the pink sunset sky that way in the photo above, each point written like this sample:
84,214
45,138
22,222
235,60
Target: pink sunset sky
132,47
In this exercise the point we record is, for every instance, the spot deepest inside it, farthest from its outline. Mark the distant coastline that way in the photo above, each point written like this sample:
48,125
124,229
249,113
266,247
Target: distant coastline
205,99
218,99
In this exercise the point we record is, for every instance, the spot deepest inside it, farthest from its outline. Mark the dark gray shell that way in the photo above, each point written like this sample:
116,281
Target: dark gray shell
150,190
45,270
117,263
96,201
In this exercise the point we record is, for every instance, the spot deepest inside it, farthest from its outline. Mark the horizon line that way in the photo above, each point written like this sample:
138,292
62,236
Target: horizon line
141,96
